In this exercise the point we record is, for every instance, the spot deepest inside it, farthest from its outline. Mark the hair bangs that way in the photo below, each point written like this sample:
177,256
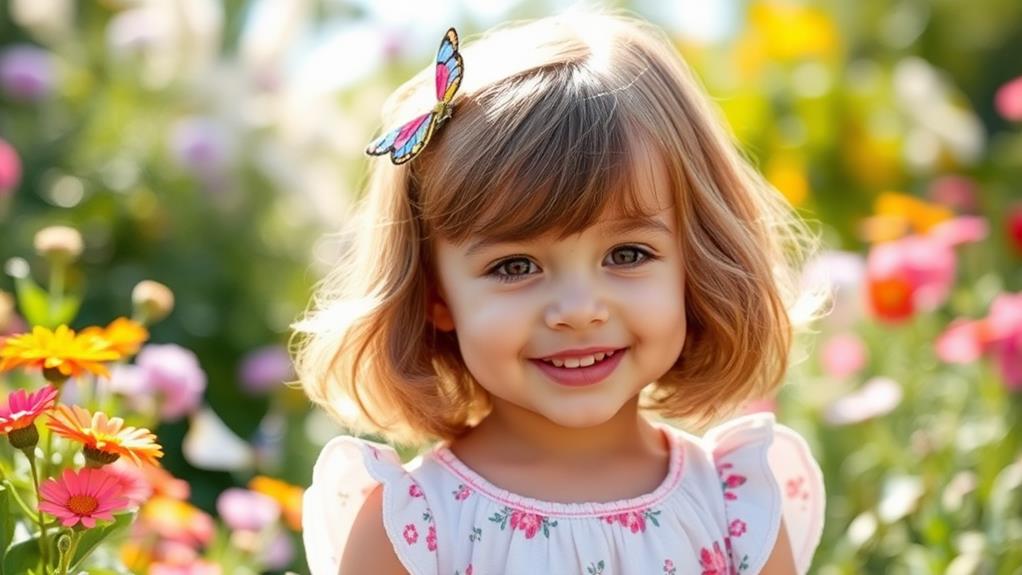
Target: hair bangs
553,151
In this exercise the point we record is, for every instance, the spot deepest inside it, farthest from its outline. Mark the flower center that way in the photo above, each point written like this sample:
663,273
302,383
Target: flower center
82,504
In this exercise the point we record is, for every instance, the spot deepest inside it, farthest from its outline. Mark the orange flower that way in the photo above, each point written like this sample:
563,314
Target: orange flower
105,439
288,496
123,335
58,352
177,520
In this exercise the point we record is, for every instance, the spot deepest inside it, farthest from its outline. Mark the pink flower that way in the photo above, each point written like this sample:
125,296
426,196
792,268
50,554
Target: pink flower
411,534
1008,100
1014,227
729,481
878,396
196,567
23,408
10,168
737,528
999,336
414,490
843,355
527,522
668,565
956,192
462,493
83,496
714,562
633,520
431,538
248,510
134,484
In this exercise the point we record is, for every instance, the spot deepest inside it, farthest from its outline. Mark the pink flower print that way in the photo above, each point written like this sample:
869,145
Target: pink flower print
715,562
411,534
462,492
431,538
414,490
634,520
527,522
468,570
729,480
796,488
530,523
669,568
737,528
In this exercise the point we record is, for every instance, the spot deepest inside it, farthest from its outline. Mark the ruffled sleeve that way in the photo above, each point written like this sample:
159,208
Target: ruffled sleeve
346,471
766,470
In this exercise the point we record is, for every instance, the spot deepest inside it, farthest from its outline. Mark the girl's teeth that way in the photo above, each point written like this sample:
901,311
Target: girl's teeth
574,362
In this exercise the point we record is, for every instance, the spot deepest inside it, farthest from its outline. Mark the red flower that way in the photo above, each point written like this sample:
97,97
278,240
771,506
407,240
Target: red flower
23,408
715,562
411,534
737,528
431,538
414,490
634,520
527,522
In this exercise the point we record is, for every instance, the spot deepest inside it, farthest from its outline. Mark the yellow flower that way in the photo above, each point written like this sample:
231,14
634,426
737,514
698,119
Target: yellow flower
288,496
123,335
59,352
105,439
899,214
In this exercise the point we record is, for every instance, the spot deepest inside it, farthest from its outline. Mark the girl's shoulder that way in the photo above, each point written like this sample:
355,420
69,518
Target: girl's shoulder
347,471
761,470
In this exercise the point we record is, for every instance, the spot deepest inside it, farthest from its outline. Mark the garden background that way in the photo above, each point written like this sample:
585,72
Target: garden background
213,146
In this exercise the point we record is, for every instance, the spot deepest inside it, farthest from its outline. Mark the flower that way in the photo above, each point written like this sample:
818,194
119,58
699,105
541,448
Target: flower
248,510
1014,227
82,496
135,485
10,169
60,353
714,562
878,396
60,243
288,496
173,373
197,567
999,335
23,408
527,522
1008,100
26,73
105,439
177,521
264,369
122,335
153,300
843,355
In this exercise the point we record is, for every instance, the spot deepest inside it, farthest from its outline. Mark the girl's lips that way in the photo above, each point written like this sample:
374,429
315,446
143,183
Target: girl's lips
581,376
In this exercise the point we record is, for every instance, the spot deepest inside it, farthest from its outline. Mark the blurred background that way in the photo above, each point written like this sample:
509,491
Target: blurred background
212,146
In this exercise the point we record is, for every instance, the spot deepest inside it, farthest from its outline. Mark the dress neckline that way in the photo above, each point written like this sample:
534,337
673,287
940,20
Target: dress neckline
448,460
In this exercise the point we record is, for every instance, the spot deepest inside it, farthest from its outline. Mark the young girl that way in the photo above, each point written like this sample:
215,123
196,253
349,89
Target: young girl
482,303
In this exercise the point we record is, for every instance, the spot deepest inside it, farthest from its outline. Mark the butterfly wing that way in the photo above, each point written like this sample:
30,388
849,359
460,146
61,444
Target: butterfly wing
449,67
410,147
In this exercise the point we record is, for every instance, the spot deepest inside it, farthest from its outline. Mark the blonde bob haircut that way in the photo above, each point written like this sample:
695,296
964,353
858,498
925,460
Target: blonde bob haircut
547,131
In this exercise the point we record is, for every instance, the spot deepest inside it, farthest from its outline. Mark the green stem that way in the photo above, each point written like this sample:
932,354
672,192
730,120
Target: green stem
65,559
57,269
43,545
21,502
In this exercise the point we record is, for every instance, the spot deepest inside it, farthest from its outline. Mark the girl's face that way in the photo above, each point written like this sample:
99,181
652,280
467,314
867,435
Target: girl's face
510,304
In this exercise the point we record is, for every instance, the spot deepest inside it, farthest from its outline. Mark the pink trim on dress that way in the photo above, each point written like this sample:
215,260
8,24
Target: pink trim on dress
449,461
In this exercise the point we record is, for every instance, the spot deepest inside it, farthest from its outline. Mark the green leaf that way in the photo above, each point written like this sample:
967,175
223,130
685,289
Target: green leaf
34,302
91,538
22,557
6,523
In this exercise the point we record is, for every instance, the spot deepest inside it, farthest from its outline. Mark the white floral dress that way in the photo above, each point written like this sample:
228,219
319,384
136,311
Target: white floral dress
716,513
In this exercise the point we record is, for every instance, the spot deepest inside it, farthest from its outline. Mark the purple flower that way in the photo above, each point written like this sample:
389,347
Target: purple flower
10,169
200,145
245,509
264,369
26,73
279,553
174,373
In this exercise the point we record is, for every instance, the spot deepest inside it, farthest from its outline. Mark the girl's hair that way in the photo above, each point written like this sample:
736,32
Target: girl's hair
552,121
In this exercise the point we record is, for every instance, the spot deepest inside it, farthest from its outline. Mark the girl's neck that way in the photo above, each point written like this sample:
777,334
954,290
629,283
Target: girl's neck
525,436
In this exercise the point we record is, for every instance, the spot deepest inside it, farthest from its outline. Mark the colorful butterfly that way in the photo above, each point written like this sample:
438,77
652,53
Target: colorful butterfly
406,141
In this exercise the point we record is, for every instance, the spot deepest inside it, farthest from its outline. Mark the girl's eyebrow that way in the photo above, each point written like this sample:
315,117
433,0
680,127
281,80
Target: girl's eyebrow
617,227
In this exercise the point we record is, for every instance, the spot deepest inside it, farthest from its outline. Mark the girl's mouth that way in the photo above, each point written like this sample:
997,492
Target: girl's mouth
581,376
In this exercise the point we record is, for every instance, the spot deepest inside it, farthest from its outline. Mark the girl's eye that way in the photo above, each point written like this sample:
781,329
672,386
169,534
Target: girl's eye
517,267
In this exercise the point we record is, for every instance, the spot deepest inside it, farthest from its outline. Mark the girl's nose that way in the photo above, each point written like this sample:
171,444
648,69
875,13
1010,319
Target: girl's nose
578,307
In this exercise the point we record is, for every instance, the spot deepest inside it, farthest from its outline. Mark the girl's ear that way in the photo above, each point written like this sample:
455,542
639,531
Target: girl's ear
440,314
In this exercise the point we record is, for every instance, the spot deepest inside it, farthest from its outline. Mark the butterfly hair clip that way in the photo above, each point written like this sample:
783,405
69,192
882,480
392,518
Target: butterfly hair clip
407,140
